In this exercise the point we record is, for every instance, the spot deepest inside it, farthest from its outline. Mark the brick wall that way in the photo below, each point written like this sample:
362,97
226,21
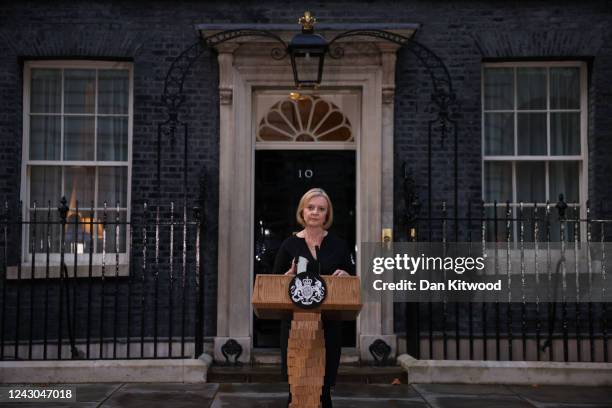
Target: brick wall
152,34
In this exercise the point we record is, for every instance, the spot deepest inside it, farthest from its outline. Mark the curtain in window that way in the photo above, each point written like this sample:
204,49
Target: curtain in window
45,106
564,180
498,181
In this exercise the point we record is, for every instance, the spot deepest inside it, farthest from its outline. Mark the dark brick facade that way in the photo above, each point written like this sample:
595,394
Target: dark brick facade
151,34
466,34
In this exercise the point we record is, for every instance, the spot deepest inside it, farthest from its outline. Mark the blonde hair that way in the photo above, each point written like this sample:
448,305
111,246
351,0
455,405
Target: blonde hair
315,192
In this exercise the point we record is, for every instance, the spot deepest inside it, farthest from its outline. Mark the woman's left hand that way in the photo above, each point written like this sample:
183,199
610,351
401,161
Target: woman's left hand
340,272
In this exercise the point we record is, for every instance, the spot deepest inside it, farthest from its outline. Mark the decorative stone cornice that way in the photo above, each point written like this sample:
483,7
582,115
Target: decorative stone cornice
227,47
287,31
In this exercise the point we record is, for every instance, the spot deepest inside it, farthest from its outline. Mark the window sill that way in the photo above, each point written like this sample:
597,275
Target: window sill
82,271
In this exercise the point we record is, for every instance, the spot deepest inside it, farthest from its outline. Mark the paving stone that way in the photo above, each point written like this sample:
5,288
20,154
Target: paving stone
462,389
375,391
163,395
470,396
473,401
50,404
263,388
280,401
238,395
369,403
344,395
561,405
564,394
94,392
249,401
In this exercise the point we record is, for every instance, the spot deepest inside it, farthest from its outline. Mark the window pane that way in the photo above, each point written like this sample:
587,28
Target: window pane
46,232
496,223
531,88
113,91
45,185
307,68
112,185
499,134
45,137
527,221
498,85
79,90
567,226
112,138
78,231
46,92
498,181
79,138
79,184
530,182
564,133
531,128
112,235
564,180
565,88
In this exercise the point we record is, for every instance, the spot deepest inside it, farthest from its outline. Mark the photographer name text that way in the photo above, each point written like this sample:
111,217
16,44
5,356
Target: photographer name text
426,285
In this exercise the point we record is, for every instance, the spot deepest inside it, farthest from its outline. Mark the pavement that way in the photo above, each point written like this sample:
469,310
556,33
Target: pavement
274,395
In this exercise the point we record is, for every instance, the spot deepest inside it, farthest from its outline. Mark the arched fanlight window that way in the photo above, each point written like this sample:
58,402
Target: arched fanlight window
307,119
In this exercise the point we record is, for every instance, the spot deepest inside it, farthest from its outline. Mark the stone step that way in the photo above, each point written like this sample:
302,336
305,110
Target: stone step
268,373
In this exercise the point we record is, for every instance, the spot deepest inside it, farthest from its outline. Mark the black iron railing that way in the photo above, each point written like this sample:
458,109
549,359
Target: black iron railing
91,283
517,330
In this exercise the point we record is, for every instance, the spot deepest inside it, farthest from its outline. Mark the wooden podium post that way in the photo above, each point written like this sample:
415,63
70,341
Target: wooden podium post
306,359
306,347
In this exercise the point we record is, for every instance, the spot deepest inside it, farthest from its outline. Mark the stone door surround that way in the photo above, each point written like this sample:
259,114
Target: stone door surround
245,65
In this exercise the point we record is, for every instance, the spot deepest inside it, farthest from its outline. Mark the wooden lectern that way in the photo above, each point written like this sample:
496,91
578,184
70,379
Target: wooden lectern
306,348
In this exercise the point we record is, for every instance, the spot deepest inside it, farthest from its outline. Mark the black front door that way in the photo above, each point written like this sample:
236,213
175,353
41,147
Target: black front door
281,178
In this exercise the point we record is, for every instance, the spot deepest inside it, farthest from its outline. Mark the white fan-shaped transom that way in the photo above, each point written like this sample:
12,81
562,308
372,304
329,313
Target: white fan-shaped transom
307,119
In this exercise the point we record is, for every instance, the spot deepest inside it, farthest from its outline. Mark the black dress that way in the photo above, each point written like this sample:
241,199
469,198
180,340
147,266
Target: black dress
333,254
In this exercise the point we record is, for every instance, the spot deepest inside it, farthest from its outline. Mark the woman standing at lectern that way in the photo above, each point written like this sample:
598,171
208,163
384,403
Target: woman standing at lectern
317,245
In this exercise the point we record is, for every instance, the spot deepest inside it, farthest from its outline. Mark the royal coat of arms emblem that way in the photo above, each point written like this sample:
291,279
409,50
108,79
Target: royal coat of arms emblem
306,289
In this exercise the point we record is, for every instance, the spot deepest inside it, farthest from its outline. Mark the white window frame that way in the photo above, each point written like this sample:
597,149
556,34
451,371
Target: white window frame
582,158
82,259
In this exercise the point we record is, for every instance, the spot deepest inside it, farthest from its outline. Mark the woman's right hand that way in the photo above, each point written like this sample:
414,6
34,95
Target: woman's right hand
291,270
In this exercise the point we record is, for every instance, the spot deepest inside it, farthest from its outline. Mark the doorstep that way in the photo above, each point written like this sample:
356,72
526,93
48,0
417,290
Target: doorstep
270,373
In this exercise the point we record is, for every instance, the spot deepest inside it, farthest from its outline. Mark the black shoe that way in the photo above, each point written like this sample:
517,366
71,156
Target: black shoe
289,400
